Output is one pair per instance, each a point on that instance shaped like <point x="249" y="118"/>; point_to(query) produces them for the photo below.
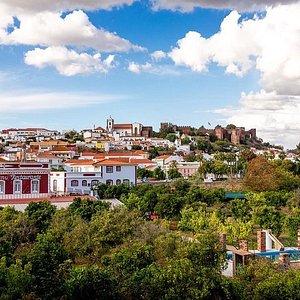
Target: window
<point x="84" y="183"/>
<point x="118" y="168"/>
<point x="109" y="182"/>
<point x="126" y="181"/>
<point x="34" y="186"/>
<point x="74" y="182"/>
<point x="94" y="182"/>
<point x="55" y="185"/>
<point x="2" y="187"/>
<point x="118" y="181"/>
<point x="109" y="169"/>
<point x="17" y="187"/>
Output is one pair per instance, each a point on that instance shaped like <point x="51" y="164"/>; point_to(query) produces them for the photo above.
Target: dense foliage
<point x="89" y="251"/>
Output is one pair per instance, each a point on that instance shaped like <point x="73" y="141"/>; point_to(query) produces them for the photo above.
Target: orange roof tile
<point x="139" y="152"/>
<point x="113" y="162"/>
<point x="142" y="161"/>
<point x="163" y="156"/>
<point x="60" y="148"/>
<point x="122" y="126"/>
<point x="46" y="155"/>
<point x="87" y="162"/>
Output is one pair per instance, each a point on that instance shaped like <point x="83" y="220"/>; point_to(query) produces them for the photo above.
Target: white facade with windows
<point x="79" y="178"/>
<point x="57" y="182"/>
<point x="114" y="174"/>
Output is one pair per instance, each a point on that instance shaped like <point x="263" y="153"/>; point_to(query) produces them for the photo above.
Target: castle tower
<point x="110" y="124"/>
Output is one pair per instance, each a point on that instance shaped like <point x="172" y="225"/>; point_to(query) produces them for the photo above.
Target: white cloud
<point x="275" y="116"/>
<point x="68" y="62"/>
<point x="75" y="29"/>
<point x="158" y="55"/>
<point x="138" y="68"/>
<point x="240" y="5"/>
<point x="191" y="52"/>
<point x="44" y="23"/>
<point x="62" y="5"/>
<point x="269" y="44"/>
<point x="28" y="101"/>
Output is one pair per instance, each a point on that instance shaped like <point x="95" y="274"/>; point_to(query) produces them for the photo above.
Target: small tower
<point x="110" y="124"/>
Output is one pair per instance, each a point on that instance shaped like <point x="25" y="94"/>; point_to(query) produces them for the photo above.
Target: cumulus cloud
<point x="269" y="44"/>
<point x="62" y="5"/>
<point x="53" y="24"/>
<point x="240" y="5"/>
<point x="138" y="68"/>
<point x="75" y="29"/>
<point x="276" y="116"/>
<point x="68" y="62"/>
<point x="158" y="55"/>
<point x="26" y="101"/>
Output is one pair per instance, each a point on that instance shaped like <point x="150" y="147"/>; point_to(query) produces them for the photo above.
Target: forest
<point x="90" y="251"/>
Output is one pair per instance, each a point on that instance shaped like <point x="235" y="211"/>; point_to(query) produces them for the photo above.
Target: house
<point x="121" y="130"/>
<point x="81" y="175"/>
<point x="187" y="169"/>
<point x="49" y="158"/>
<point x="24" y="180"/>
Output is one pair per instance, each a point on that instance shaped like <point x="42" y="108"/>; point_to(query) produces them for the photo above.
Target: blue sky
<point x="71" y="64"/>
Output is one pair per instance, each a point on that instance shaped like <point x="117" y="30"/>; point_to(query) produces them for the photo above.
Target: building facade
<point x="130" y="129"/>
<point x="24" y="180"/>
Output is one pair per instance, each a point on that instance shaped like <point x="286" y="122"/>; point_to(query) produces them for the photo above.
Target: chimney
<point x="261" y="241"/>
<point x="284" y="260"/>
<point x="243" y="245"/>
<point x="223" y="240"/>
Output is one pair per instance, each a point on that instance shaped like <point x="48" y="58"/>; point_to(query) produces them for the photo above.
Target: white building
<point x="22" y="134"/>
<point x="125" y="130"/>
<point x="82" y="174"/>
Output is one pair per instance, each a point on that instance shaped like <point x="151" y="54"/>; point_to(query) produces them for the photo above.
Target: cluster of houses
<point x="39" y="163"/>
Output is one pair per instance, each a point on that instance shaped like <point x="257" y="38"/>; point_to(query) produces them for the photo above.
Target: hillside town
<point x="125" y="199"/>
<point x="38" y="162"/>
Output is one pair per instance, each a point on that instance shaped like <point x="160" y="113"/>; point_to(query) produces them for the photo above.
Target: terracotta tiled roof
<point x="122" y="126"/>
<point x="46" y="155"/>
<point x="139" y="152"/>
<point x="60" y="148"/>
<point x="116" y="154"/>
<point x="163" y="156"/>
<point x="142" y="161"/>
<point x="88" y="154"/>
<point x="100" y="128"/>
<point x="113" y="162"/>
<point x="84" y="162"/>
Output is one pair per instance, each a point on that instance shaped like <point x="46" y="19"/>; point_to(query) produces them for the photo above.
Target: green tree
<point x="173" y="171"/>
<point x="268" y="217"/>
<point x="136" y="147"/>
<point x="185" y="141"/>
<point x="90" y="282"/>
<point x="219" y="168"/>
<point x="40" y="213"/>
<point x="144" y="173"/>
<point x="159" y="174"/>
<point x="171" y="137"/>
<point x="86" y="208"/>
<point x="168" y="206"/>
<point x="15" y="279"/>
<point x="46" y="256"/>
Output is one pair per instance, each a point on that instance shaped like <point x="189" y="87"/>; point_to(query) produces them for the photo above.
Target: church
<point x="130" y="130"/>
